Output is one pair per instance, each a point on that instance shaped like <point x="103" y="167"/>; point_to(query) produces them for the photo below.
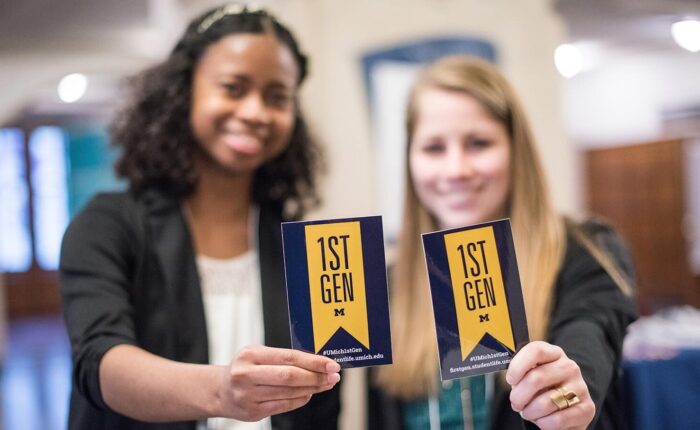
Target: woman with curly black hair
<point x="171" y="288"/>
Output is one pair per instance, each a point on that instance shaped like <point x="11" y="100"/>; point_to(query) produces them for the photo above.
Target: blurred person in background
<point x="171" y="288"/>
<point x="471" y="159"/>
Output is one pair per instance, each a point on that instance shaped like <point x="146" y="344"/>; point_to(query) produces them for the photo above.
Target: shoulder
<point x="108" y="218"/>
<point x="105" y="209"/>
<point x="598" y="288"/>
<point x="599" y="234"/>
<point x="603" y="234"/>
<point x="115" y="202"/>
<point x="589" y="283"/>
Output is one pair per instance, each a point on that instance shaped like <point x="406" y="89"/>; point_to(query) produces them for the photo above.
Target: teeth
<point x="243" y="135"/>
<point x="459" y="190"/>
<point x="257" y="133"/>
<point x="245" y="138"/>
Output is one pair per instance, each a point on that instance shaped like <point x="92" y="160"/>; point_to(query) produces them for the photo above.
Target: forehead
<point x="437" y="107"/>
<point x="258" y="56"/>
<point x="433" y="101"/>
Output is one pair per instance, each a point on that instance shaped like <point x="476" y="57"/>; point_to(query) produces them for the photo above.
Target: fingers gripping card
<point x="337" y="289"/>
<point x="477" y="298"/>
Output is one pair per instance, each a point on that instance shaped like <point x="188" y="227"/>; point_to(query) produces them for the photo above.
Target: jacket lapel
<point x="174" y="250"/>
<point x="274" y="293"/>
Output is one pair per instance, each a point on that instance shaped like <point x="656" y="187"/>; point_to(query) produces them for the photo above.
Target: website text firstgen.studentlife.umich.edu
<point x="495" y="360"/>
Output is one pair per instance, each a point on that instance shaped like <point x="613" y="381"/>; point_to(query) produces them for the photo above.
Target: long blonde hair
<point x="539" y="233"/>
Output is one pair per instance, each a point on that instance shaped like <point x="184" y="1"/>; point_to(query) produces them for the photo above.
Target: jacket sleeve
<point x="591" y="313"/>
<point x="95" y="272"/>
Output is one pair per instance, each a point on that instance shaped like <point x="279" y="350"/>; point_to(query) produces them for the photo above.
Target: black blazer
<point x="128" y="276"/>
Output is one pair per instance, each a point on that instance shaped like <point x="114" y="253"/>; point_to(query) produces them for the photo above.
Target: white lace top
<point x="234" y="315"/>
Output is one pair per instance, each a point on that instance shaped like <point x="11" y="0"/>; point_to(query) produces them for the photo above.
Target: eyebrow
<point x="280" y="85"/>
<point x="228" y="75"/>
<point x="247" y="78"/>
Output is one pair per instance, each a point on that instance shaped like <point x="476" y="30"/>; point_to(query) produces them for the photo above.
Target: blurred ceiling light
<point x="686" y="33"/>
<point x="568" y="60"/>
<point x="72" y="87"/>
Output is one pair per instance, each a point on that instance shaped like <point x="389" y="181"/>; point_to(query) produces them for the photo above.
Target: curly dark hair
<point x="154" y="131"/>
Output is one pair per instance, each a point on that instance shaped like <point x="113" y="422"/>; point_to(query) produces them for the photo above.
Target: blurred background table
<point x="664" y="394"/>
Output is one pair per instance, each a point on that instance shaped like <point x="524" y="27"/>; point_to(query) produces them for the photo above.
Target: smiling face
<point x="243" y="101"/>
<point x="459" y="159"/>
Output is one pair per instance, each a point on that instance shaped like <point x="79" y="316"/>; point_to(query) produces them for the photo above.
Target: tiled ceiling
<point x="87" y="24"/>
<point x="36" y="25"/>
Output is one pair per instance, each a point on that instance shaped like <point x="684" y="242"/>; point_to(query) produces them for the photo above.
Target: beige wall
<point x="337" y="33"/>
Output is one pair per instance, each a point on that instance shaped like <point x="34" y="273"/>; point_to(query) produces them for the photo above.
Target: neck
<point x="221" y="196"/>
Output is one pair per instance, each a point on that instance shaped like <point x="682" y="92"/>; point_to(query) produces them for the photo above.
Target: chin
<point x="236" y="167"/>
<point x="463" y="220"/>
<point x="457" y="223"/>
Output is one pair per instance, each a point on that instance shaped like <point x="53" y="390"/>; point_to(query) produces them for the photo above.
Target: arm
<point x="591" y="312"/>
<point x="588" y="322"/>
<point x="260" y="382"/>
<point x="111" y="371"/>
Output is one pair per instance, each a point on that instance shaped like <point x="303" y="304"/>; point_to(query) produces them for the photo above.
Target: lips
<point x="244" y="143"/>
<point x="465" y="203"/>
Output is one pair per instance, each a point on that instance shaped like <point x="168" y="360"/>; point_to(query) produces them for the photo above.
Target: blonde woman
<point x="472" y="158"/>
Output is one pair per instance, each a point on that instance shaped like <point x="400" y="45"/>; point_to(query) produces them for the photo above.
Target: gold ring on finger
<point x="564" y="398"/>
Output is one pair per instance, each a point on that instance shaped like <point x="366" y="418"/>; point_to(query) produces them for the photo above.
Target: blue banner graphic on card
<point x="477" y="298"/>
<point x="337" y="289"/>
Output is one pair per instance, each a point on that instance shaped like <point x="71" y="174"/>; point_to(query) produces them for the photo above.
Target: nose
<point x="458" y="164"/>
<point x="252" y="109"/>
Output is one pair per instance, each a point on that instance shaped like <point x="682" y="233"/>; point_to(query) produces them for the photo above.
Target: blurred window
<point x="47" y="174"/>
<point x="15" y="235"/>
<point x="47" y="155"/>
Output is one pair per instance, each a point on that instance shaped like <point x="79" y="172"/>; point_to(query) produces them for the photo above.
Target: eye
<point x="235" y="89"/>
<point x="478" y="143"/>
<point x="432" y="147"/>
<point x="279" y="99"/>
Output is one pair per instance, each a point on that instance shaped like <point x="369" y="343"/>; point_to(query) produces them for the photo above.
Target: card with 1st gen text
<point x="337" y="289"/>
<point x="477" y="298"/>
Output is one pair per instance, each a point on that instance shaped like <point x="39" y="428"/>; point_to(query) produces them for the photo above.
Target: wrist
<point x="213" y="398"/>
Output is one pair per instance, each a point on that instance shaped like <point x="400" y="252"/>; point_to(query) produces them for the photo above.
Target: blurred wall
<point x="336" y="34"/>
<point x="627" y="97"/>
